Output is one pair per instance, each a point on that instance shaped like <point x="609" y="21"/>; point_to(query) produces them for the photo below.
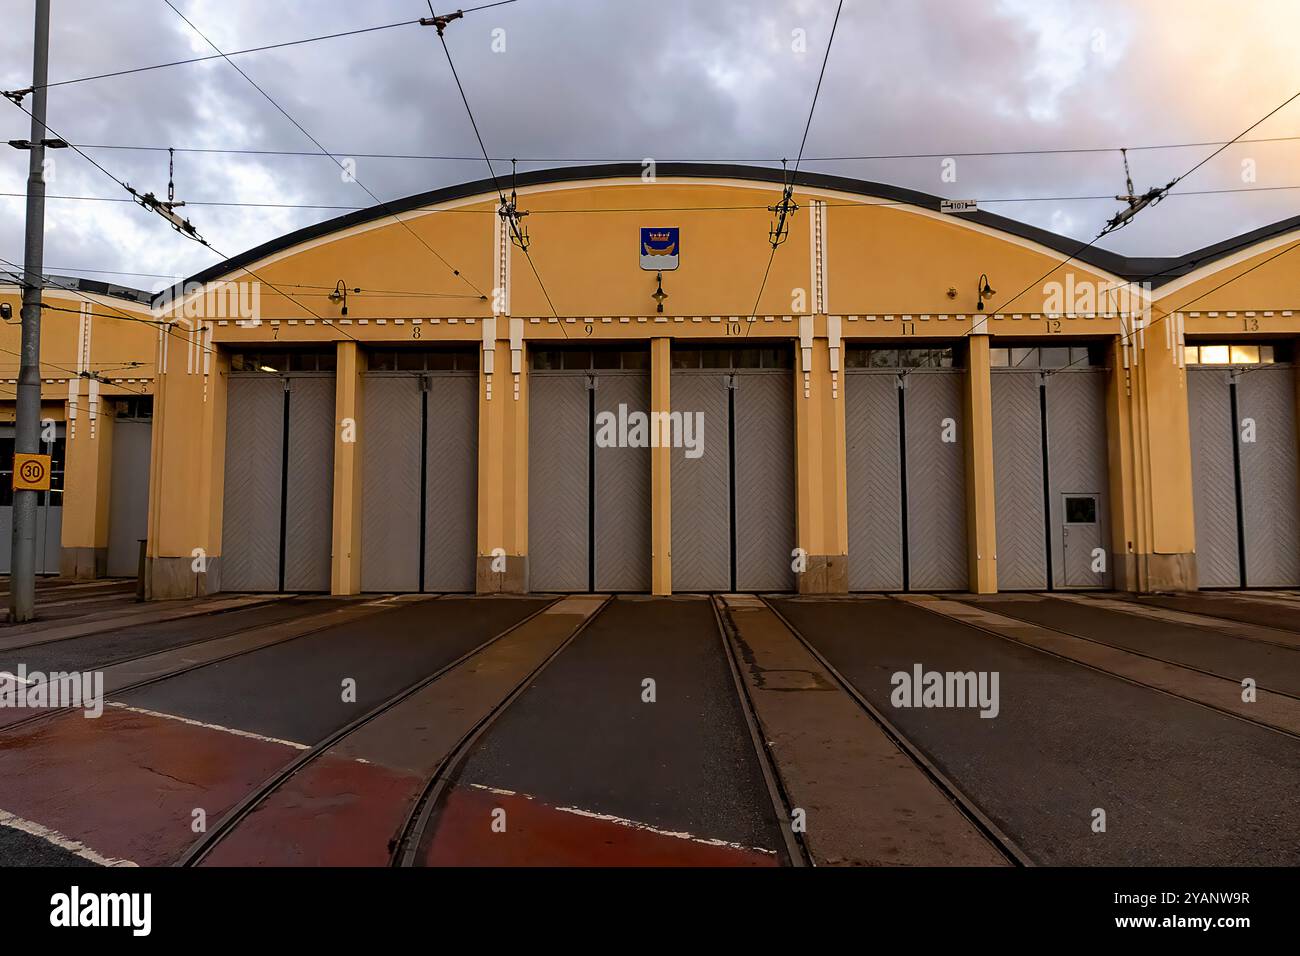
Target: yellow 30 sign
<point x="31" y="472"/>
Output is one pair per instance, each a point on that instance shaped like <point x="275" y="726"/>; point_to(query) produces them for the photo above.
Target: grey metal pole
<point x="22" y="582"/>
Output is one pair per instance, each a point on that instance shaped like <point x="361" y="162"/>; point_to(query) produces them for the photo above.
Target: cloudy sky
<point x="605" y="80"/>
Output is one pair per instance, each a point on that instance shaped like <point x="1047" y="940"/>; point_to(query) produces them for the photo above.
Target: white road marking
<point x="631" y="824"/>
<point x="198" y="723"/>
<point x="7" y="819"/>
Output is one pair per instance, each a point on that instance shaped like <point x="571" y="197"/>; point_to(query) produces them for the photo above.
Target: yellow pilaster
<point x="981" y="514"/>
<point x="821" y="508"/>
<point x="87" y="470"/>
<point x="186" y="475"/>
<point x="502" y="564"/>
<point x="349" y="432"/>
<point x="661" y="507"/>
<point x="1153" y="463"/>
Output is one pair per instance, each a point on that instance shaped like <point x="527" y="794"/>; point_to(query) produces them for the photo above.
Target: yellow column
<point x="345" y="554"/>
<point x="821" y="507"/>
<point x="502" y="565"/>
<point x="981" y="514"/>
<point x="87" y="471"/>
<point x="661" y="502"/>
<point x="1127" y="535"/>
<point x="1152" y="463"/>
<point x="186" y="474"/>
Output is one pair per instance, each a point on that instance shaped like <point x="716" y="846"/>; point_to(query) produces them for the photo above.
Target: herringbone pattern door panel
<point x="390" y="483"/>
<point x="765" y="490"/>
<point x="559" y="430"/>
<point x="622" y="490"/>
<point x="1018" y="481"/>
<point x="701" y="523"/>
<point x="250" y="526"/>
<point x="936" y="480"/>
<point x="873" y="480"/>
<point x="451" y="495"/>
<point x="1213" y="477"/>
<point x="309" y="499"/>
<point x="1270" y="484"/>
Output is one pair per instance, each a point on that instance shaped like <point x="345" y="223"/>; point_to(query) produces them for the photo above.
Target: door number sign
<point x="31" y="472"/>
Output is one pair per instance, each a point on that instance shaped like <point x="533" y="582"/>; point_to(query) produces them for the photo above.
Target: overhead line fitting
<point x="511" y="215"/>
<point x="441" y="22"/>
<point x="783" y="210"/>
<point x="167" y="207"/>
<point x="1135" y="202"/>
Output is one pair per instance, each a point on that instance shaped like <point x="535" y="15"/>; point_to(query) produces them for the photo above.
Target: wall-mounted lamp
<point x="6" y="311"/>
<point x="340" y="294"/>
<point x="659" y="294"/>
<point x="986" y="291"/>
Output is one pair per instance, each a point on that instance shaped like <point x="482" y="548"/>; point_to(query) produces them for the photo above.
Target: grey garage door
<point x="701" y="486"/>
<point x="128" y="510"/>
<point x="278" y="501"/>
<point x="733" y="505"/>
<point x="419" y="481"/>
<point x="1056" y="471"/>
<point x="621" y="534"/>
<point x="936" y="480"/>
<point x="589" y="479"/>
<point x="559" y="445"/>
<point x="905" y="470"/>
<point x="873" y="458"/>
<point x="1244" y="467"/>
<point x="1018" y="480"/>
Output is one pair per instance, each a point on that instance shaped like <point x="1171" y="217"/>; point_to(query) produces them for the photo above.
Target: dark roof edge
<point x="58" y="283"/>
<point x="1157" y="270"/>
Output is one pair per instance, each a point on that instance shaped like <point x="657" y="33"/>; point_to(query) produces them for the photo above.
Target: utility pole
<point x="22" y="580"/>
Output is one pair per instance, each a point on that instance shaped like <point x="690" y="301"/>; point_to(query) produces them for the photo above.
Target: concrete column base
<point x="1149" y="573"/>
<point x="168" y="579"/>
<point x="826" y="574"/>
<point x="83" y="564"/>
<point x="513" y="580"/>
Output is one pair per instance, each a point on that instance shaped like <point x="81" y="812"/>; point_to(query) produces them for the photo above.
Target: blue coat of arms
<point x="660" y="249"/>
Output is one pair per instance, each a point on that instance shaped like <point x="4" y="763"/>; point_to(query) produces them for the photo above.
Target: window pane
<point x="715" y="358"/>
<point x="884" y="358"/>
<point x="1266" y="355"/>
<point x="1191" y="355"/>
<point x="578" y="359"/>
<point x="685" y="358"/>
<point x="1024" y="358"/>
<point x="638" y="359"/>
<point x="1053" y="357"/>
<point x="747" y="358"/>
<point x="999" y="358"/>
<point x="440" y="361"/>
<point x="1214" y="355"/>
<point x="546" y="359"/>
<point x="1245" y="354"/>
<point x="605" y="358"/>
<point x="1081" y="510"/>
<point x="857" y="358"/>
<point x="776" y="358"/>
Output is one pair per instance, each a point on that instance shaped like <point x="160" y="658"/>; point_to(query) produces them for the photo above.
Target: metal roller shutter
<point x="1077" y="465"/>
<point x="559" y="436"/>
<point x="1214" y="485"/>
<point x="390" y="482"/>
<point x="1270" y="485"/>
<point x="309" y="490"/>
<point x="622" y="513"/>
<point x="451" y="485"/>
<point x="1018" y="480"/>
<point x="764" y="476"/>
<point x="250" y="530"/>
<point x="874" y="484"/>
<point x="701" y="487"/>
<point x="936" y="480"/>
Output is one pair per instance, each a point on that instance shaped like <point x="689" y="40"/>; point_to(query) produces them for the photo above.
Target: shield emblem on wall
<point x="660" y="249"/>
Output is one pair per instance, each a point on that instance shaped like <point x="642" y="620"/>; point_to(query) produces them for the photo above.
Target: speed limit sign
<point x="31" y="472"/>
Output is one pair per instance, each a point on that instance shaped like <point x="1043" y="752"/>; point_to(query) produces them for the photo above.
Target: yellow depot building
<point x="98" y="343"/>
<point x="918" y="399"/>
